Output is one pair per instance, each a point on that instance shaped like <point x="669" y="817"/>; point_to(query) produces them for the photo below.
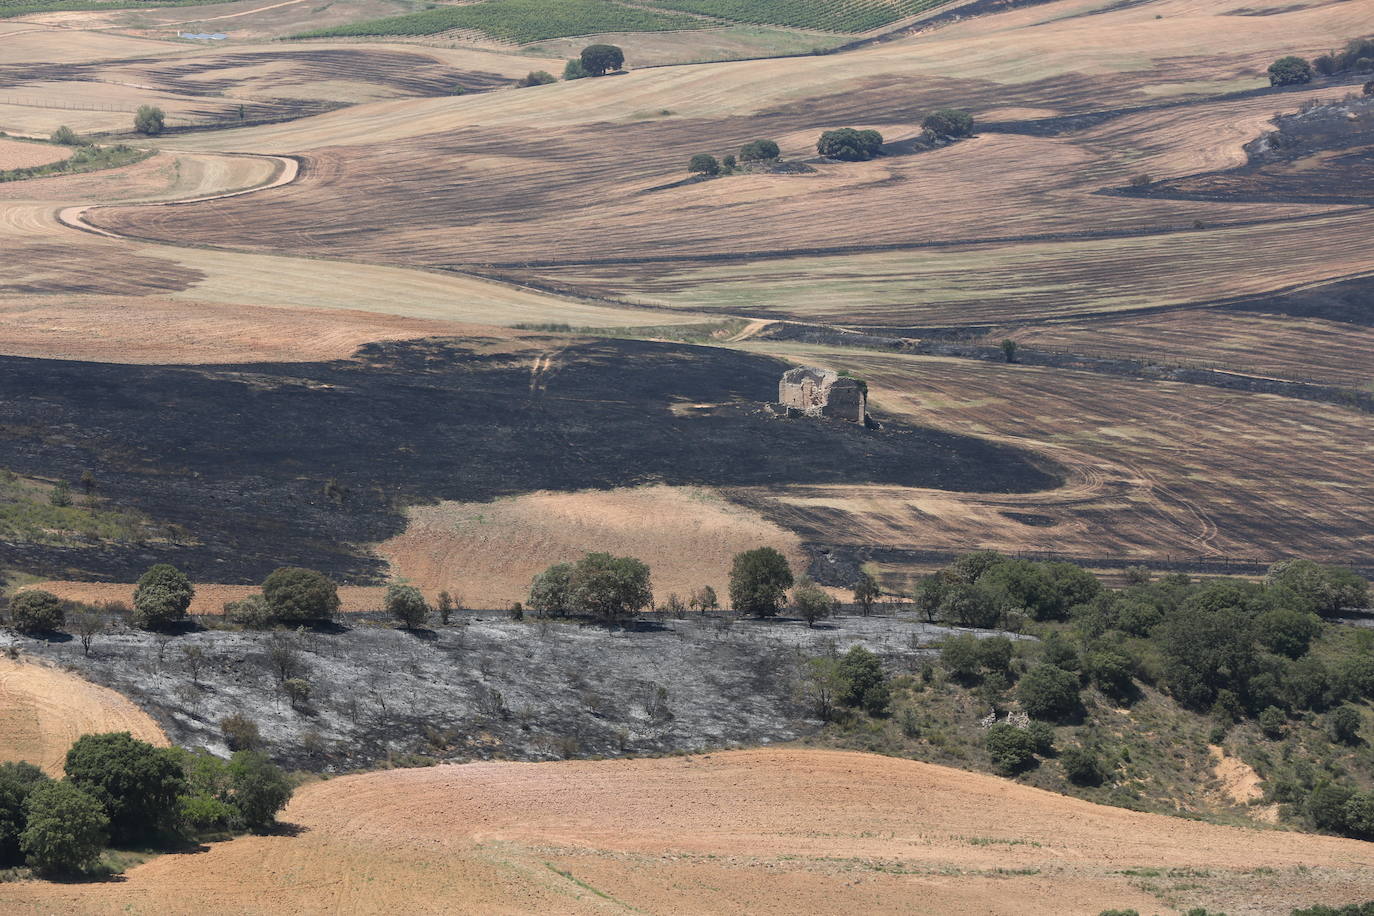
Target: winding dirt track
<point x="288" y="170"/>
<point x="43" y="710"/>
<point x="765" y="832"/>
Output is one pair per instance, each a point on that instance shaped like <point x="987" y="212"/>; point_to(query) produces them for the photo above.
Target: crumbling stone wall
<point x="818" y="392"/>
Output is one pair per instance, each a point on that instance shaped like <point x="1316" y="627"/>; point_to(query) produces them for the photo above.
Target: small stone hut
<point x="821" y="393"/>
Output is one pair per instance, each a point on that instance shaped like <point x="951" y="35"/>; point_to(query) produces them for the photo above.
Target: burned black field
<point x="237" y="461"/>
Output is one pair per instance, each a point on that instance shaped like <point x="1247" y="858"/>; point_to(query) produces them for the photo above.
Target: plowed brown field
<point x="769" y="831"/>
<point x="43" y="710"/>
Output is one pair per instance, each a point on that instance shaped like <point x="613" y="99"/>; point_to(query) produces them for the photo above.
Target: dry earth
<point x="15" y="154"/>
<point x="769" y="831"/>
<point x="487" y="553"/>
<point x="43" y="710"/>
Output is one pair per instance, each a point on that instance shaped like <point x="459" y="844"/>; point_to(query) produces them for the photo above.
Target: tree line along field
<point x="524" y="21"/>
<point x="12" y="8"/>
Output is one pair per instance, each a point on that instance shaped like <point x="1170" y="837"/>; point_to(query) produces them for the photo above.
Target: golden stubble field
<point x="43" y="710"/>
<point x="767" y="831"/>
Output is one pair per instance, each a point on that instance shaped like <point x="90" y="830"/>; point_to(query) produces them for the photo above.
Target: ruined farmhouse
<point x="815" y="392"/>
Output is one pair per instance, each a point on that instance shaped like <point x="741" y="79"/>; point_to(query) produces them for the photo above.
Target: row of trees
<point x="1357" y="56"/>
<point x="845" y="143"/>
<point x="122" y="791"/>
<point x="611" y="589"/>
<point x="753" y="151"/>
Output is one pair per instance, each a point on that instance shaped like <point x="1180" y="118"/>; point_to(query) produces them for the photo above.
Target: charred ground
<point x="236" y="459"/>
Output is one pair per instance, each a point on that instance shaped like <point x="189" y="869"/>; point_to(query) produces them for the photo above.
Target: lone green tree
<point x="759" y="580"/>
<point x="1009" y="350"/>
<point x="863" y="683"/>
<point x="598" y="60"/>
<point x="948" y="124"/>
<point x="407" y="605"/>
<point x="1290" y="71"/>
<point x="66" y="829"/>
<point x="297" y="595"/>
<point x="1048" y="692"/>
<point x="162" y="597"/>
<point x="811" y="602"/>
<point x="866" y="591"/>
<point x="36" y="611"/>
<point x="849" y="145"/>
<point x="150" y="120"/>
<point x="610" y="588"/>
<point x="704" y="164"/>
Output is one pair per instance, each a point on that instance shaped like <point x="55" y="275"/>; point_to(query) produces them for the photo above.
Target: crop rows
<point x="843" y="16"/>
<point x="521" y="21"/>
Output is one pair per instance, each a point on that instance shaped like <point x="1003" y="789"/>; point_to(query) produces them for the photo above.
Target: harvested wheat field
<point x="487" y="553"/>
<point x="767" y="831"/>
<point x="15" y="154"/>
<point x="43" y="710"/>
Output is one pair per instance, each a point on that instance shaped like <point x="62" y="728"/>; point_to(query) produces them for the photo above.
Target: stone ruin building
<point x="814" y="392"/>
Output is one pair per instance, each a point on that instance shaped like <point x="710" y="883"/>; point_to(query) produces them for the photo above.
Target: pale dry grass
<point x="15" y="154"/>
<point x="43" y="710"/>
<point x="487" y="553"/>
<point x="768" y="831"/>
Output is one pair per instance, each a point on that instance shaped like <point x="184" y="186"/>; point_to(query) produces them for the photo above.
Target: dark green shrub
<point x="536" y="78"/>
<point x="849" y="145"/>
<point x="949" y="123"/>
<point x="149" y="120"/>
<point x="1112" y="671"/>
<point x="1343" y="723"/>
<point x="259" y="789"/>
<point x="1273" y="722"/>
<point x="251" y="612"/>
<point x="811" y="601"/>
<point x="759" y="580"/>
<point x="137" y="783"/>
<point x="600" y="59"/>
<point x="758" y="151"/>
<point x="1048" y="692"/>
<point x="162" y="597"/>
<point x="407" y="605"/>
<point x="66" y="829"/>
<point x="970" y="606"/>
<point x="1359" y="815"/>
<point x="863" y="685"/>
<point x="1011" y="748"/>
<point x="1326" y="805"/>
<point x="995" y="652"/>
<point x="65" y="136"/>
<point x="1289" y="71"/>
<point x="36" y="611"/>
<point x="1285" y="631"/>
<point x="703" y="164"/>
<point x="1042" y="737"/>
<point x="962" y="657"/>
<point x="574" y="70"/>
<point x="296" y="595"/>
<point x="17" y="782"/>
<point x="1083" y="767"/>
<point x="1206" y="650"/>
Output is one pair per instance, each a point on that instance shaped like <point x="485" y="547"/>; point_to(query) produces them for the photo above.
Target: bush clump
<point x="849" y="145"/>
<point x="162" y="597"/>
<point x="759" y="580"/>
<point x="1290" y="71"/>
<point x="150" y="120"/>
<point x="759" y="151"/>
<point x="1012" y="749"/>
<point x="37" y="611"/>
<point x="948" y="124"/>
<point x="66" y="829"/>
<point x="1049" y="692"/>
<point x="297" y="595"/>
